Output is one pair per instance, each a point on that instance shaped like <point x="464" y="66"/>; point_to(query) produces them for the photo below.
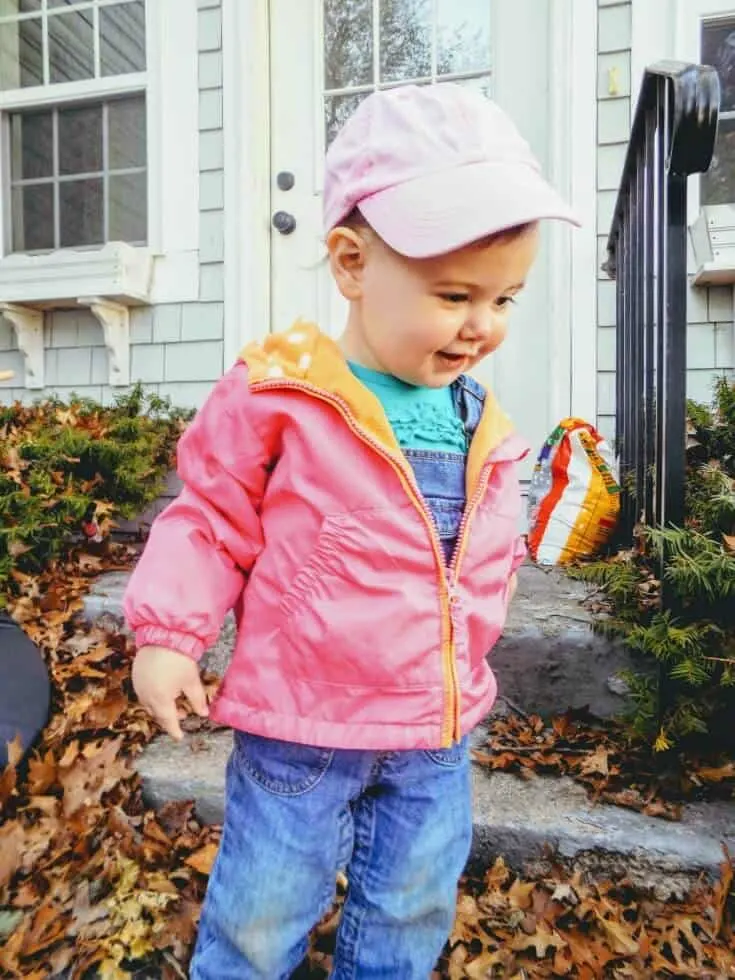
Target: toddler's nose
<point x="479" y="326"/>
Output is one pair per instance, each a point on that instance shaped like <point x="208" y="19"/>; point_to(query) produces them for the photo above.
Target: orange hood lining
<point x="307" y="356"/>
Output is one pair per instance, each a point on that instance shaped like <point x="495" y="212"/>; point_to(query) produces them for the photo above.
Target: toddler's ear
<point x="347" y="252"/>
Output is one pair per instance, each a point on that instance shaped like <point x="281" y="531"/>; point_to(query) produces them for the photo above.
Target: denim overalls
<point x="441" y="475"/>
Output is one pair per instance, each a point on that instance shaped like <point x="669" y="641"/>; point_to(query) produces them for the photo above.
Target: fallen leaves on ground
<point x="603" y="758"/>
<point x="93" y="884"/>
<point x="562" y="926"/>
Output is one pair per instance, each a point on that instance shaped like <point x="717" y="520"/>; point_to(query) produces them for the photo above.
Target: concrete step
<point x="528" y="822"/>
<point x="547" y="660"/>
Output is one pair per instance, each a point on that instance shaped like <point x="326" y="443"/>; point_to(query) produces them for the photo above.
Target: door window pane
<point x="463" y="36"/>
<point x="81" y="213"/>
<point x="419" y="41"/>
<point x="348" y="43"/>
<point x="405" y="40"/>
<point x="122" y="38"/>
<point x="71" y="46"/>
<point x="337" y="110"/>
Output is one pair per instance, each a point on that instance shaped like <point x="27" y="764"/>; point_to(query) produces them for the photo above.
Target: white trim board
<point x="247" y="197"/>
<point x="573" y="279"/>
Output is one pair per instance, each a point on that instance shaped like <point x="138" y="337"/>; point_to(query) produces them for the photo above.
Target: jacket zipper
<point x="448" y="577"/>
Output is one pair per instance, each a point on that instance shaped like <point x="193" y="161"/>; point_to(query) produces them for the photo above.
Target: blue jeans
<point x="399" y="823"/>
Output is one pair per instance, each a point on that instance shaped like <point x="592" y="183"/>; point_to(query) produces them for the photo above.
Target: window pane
<point x="122" y="38"/>
<point x="31" y="145"/>
<point x="21" y="54"/>
<point x="463" y="36"/>
<point x="348" y="43"/>
<point x="63" y="3"/>
<point x="405" y="39"/>
<point x="80" y="212"/>
<point x="10" y="8"/>
<point x="80" y="140"/>
<point x="718" y="50"/>
<point x="71" y="46"/>
<point x="127" y="135"/>
<point x="33" y="218"/>
<point x="128" y="215"/>
<point x="337" y="110"/>
<point x="718" y="184"/>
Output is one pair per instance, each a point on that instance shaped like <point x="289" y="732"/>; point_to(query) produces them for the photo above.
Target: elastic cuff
<point x="159" y="636"/>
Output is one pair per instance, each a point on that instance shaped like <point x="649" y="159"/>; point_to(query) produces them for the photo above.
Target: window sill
<point x="108" y="281"/>
<point x="713" y="242"/>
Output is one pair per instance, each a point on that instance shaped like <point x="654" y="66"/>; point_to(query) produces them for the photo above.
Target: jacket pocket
<point x="347" y="552"/>
<point x="282" y="768"/>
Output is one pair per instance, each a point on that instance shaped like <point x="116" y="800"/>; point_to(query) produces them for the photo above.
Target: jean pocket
<point x="450" y="758"/>
<point x="282" y="768"/>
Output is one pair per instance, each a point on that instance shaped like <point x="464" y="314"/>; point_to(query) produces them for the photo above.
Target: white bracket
<point x="115" y="321"/>
<point x="28" y="325"/>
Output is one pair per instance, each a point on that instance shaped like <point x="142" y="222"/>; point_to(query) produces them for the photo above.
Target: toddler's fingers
<point x="197" y="697"/>
<point x="167" y="718"/>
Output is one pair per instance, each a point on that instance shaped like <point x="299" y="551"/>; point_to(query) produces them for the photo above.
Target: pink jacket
<point x="352" y="631"/>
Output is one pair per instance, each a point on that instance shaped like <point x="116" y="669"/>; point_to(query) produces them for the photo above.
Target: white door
<point x="327" y="55"/>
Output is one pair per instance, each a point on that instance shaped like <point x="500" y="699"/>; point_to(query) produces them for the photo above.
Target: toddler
<point x="357" y="503"/>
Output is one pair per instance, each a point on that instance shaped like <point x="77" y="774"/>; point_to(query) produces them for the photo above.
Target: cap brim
<point x="444" y="211"/>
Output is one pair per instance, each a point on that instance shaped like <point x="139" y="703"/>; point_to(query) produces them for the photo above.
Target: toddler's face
<point x="428" y="320"/>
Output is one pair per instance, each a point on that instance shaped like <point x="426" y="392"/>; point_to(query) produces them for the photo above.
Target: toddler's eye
<point x="504" y="300"/>
<point x="456" y="297"/>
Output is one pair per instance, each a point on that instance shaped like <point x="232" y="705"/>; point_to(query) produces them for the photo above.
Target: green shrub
<point x="692" y="640"/>
<point x="60" y="463"/>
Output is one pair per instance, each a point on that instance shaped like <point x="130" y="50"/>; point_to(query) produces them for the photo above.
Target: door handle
<point x="284" y="222"/>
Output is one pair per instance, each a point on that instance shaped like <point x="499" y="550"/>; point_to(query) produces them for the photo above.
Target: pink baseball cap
<point x="433" y="168"/>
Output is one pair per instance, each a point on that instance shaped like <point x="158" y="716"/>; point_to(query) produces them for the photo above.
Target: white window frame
<point x="171" y="87"/>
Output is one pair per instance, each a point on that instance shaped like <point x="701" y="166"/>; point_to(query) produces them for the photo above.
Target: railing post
<point x="672" y="137"/>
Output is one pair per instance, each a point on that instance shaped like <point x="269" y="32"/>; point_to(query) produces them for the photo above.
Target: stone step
<point x="528" y="822"/>
<point x="547" y="660"/>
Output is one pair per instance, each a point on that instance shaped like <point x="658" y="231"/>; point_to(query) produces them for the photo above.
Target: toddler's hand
<point x="160" y="675"/>
<point x="512" y="586"/>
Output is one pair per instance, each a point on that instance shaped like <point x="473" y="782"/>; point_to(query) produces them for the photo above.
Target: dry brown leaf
<point x="203" y="859"/>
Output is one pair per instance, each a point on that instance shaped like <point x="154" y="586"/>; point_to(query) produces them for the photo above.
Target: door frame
<point x="247" y="176"/>
<point x="573" y="258"/>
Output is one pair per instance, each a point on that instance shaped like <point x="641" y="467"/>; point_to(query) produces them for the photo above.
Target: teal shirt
<point x="421" y="418"/>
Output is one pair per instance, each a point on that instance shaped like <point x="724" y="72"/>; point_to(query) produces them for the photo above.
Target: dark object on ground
<point x="24" y="688"/>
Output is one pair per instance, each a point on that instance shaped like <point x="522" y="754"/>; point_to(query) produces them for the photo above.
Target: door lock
<point x="284" y="222"/>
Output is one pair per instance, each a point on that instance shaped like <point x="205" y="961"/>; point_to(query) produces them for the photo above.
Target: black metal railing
<point x="672" y="137"/>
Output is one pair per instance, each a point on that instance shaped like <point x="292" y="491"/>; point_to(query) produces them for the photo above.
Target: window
<point x="718" y="50"/>
<point x="371" y="44"/>
<point x="73" y="89"/>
